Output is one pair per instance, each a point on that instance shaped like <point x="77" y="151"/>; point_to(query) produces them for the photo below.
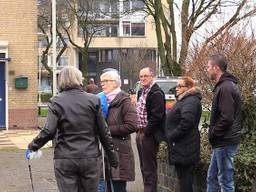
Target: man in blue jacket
<point x="225" y="126"/>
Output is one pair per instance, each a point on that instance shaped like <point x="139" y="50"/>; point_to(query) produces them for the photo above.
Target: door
<point x="2" y="94"/>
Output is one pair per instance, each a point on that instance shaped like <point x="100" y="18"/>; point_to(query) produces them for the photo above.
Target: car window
<point x="167" y="86"/>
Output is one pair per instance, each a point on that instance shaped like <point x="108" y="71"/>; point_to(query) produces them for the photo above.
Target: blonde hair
<point x="70" y="77"/>
<point x="188" y="81"/>
<point x="112" y="75"/>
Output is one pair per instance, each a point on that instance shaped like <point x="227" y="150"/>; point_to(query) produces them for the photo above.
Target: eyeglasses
<point x="180" y="86"/>
<point x="144" y="76"/>
<point x="106" y="81"/>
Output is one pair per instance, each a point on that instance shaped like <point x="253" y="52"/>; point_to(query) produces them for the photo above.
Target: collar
<point x="111" y="96"/>
<point x="190" y="91"/>
<point x="147" y="89"/>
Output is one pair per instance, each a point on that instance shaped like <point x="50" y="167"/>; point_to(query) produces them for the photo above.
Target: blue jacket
<point x="104" y="103"/>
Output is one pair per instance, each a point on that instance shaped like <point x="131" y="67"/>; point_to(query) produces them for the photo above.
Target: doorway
<point x="2" y="95"/>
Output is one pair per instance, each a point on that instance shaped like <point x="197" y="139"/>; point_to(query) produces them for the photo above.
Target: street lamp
<point x="54" y="75"/>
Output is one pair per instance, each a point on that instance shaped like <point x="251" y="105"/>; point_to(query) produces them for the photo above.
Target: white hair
<point x="112" y="75"/>
<point x="70" y="77"/>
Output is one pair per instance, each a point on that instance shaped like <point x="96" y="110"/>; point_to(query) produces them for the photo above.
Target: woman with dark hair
<point x="182" y="131"/>
<point x="75" y="117"/>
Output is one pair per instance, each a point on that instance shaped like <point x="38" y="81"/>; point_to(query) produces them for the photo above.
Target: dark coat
<point x="225" y="125"/>
<point x="76" y="119"/>
<point x="122" y="121"/>
<point x="182" y="128"/>
<point x="155" y="106"/>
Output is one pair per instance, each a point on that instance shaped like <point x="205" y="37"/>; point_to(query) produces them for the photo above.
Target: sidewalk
<point x="14" y="167"/>
<point x="18" y="138"/>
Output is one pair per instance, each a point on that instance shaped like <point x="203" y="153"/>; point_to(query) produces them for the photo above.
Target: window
<point x="133" y="29"/>
<point x="42" y="43"/>
<point x="2" y="55"/>
<point x="93" y="60"/>
<point x="100" y="30"/>
<point x="108" y="55"/>
<point x="129" y="5"/>
<point x="106" y="30"/>
<point x="49" y="63"/>
<point x="63" y="61"/>
<point x="112" y="30"/>
<point x="138" y="4"/>
<point x="138" y="29"/>
<point x="126" y="28"/>
<point x="126" y="6"/>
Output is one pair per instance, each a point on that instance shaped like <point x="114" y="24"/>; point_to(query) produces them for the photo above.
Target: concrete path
<point x="18" y="138"/>
<point x="14" y="167"/>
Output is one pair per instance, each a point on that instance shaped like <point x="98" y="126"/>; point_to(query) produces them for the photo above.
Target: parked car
<point x="168" y="85"/>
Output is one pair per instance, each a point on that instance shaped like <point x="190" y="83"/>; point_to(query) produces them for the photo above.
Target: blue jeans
<point x="221" y="169"/>
<point x="102" y="185"/>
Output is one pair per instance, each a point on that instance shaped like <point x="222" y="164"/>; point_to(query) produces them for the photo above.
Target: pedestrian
<point x="76" y="118"/>
<point x="225" y="125"/>
<point x="182" y="131"/>
<point x="132" y="95"/>
<point x="151" y="117"/>
<point x="92" y="87"/>
<point x="122" y="122"/>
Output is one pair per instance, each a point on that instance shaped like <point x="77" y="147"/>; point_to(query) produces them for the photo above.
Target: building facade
<point x="125" y="42"/>
<point x="18" y="64"/>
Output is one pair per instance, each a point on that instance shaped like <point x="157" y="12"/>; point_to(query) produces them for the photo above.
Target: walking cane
<point x="108" y="177"/>
<point x="30" y="174"/>
<point x="106" y="172"/>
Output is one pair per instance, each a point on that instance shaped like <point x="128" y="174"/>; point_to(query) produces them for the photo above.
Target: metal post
<point x="54" y="77"/>
<point x="39" y="78"/>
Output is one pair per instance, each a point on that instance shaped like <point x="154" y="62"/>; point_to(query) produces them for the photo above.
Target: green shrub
<point x="45" y="97"/>
<point x="245" y="161"/>
<point x="249" y="119"/>
<point x="43" y="111"/>
<point x="245" y="164"/>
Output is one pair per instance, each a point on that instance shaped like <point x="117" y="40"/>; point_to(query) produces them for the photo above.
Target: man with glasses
<point x="151" y="118"/>
<point x="225" y="126"/>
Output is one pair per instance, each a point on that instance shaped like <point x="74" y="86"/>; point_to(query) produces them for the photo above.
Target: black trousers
<point x="185" y="176"/>
<point x="77" y="175"/>
<point x="147" y="149"/>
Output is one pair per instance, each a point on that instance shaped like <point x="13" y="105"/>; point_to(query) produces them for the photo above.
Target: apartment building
<point x="126" y="43"/>
<point x="18" y="64"/>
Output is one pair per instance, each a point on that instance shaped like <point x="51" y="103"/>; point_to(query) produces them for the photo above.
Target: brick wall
<point x="21" y="118"/>
<point x="19" y="27"/>
<point x="168" y="182"/>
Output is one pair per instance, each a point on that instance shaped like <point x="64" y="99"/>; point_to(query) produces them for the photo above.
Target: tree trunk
<point x="161" y="49"/>
<point x="85" y="56"/>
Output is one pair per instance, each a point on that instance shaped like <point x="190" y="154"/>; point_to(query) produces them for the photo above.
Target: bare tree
<point x="86" y="18"/>
<point x="133" y="60"/>
<point x="241" y="53"/>
<point x="45" y="27"/>
<point x="189" y="16"/>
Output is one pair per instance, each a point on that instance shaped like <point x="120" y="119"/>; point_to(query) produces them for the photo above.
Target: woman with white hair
<point x="75" y="117"/>
<point x="122" y="121"/>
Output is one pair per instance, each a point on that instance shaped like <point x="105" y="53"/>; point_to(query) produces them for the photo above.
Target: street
<point x="15" y="173"/>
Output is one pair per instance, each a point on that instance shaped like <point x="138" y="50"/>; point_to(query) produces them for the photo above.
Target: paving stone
<point x="14" y="167"/>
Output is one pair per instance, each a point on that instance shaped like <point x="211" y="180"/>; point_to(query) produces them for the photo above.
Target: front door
<point x="2" y="95"/>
